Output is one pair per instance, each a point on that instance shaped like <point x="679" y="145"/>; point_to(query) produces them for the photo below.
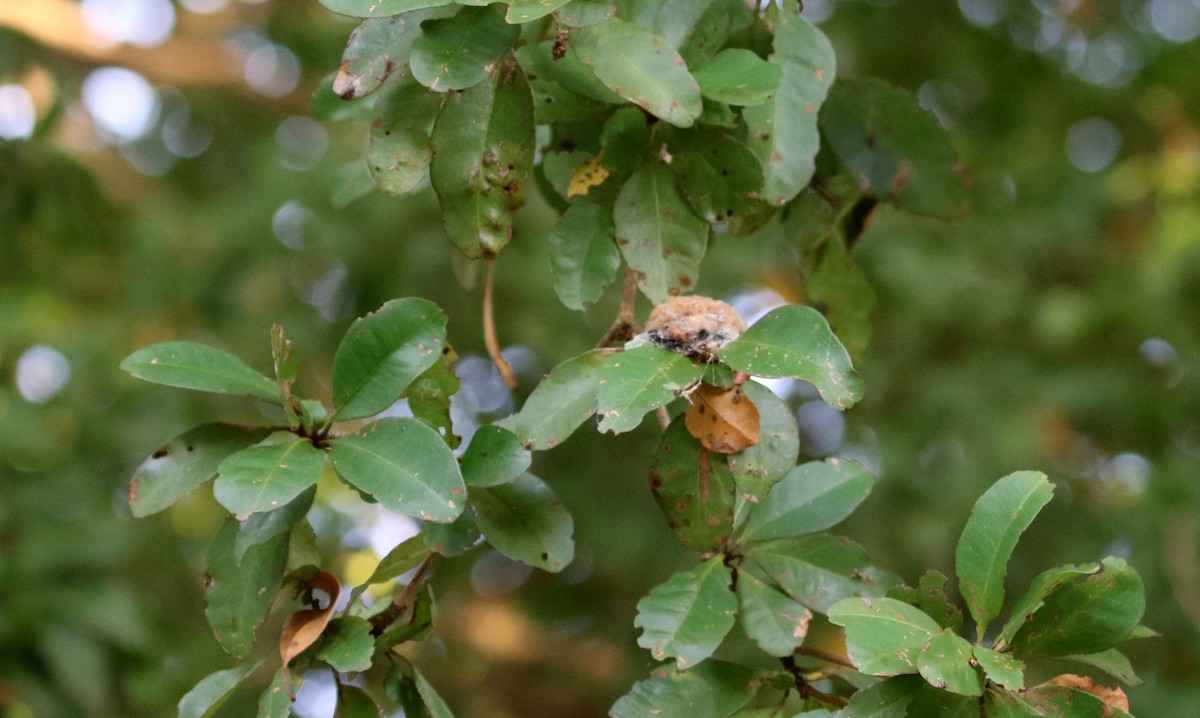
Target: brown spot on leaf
<point x="160" y="453"/>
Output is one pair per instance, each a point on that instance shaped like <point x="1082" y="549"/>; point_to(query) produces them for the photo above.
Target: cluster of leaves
<point x="654" y="127"/>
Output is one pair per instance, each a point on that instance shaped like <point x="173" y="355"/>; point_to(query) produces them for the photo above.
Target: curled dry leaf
<point x="1112" y="697"/>
<point x="303" y="628"/>
<point x="724" y="420"/>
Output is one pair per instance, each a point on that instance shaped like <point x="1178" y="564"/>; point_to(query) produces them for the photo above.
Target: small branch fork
<point x="803" y="687"/>
<point x="623" y="327"/>
<point x="404" y="602"/>
<point x="489" y="328"/>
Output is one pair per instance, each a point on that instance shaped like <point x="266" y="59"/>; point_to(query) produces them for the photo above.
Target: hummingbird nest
<point x="694" y="326"/>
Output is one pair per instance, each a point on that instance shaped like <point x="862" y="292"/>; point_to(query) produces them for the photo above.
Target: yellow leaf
<point x="724" y="420"/>
<point x="588" y="174"/>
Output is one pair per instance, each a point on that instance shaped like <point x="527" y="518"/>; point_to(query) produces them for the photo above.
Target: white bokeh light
<point x="301" y="141"/>
<point x="145" y="23"/>
<point x="121" y="102"/>
<point x="17" y="113"/>
<point x="1092" y="144"/>
<point x="42" y="372"/>
<point x="272" y="70"/>
<point x="204" y="7"/>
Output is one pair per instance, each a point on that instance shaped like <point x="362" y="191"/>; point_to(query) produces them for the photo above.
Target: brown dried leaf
<point x="303" y="628"/>
<point x="1112" y="697"/>
<point x="724" y="420"/>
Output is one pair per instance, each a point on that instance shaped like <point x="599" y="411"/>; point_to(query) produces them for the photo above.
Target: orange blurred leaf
<point x="303" y="628"/>
<point x="724" y="420"/>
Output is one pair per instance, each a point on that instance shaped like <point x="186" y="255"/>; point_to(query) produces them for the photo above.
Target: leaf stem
<point x="825" y="656"/>
<point x="489" y="328"/>
<point x="623" y="327"/>
<point x="401" y="604"/>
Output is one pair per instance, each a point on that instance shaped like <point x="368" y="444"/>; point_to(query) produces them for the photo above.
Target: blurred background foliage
<point x="162" y="176"/>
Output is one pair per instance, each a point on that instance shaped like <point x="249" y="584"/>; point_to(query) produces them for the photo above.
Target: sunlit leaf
<point x="458" y="52"/>
<point x="712" y="689"/>
<point x="495" y="456"/>
<point x="405" y="465"/>
<point x="946" y="662"/>
<point x="268" y="476"/>
<point x="190" y="365"/>
<point x="483" y="146"/>
<point x="894" y="148"/>
<point x="640" y="67"/>
<point x="694" y="489"/>
<point x="524" y="520"/>
<point x="686" y="617"/>
<point x="738" y="77"/>
<point x="638" y="381"/>
<point x="584" y="255"/>
<point x="238" y="593"/>
<point x="724" y="420"/>
<point x="1087" y="616"/>
<point x="560" y="404"/>
<point x="812" y="497"/>
<point x="783" y="131"/>
<point x="795" y="341"/>
<point x="884" y="636"/>
<point x="588" y="174"/>
<point x="185" y="462"/>
<point x="212" y="691"/>
<point x="659" y="236"/>
<point x="997" y="521"/>
<point x="383" y="352"/>
<point x="773" y="620"/>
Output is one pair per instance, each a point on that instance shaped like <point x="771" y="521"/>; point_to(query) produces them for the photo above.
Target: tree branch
<point x="489" y="328"/>
<point x="623" y="327"/>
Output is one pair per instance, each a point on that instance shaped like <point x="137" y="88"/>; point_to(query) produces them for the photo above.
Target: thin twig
<point x="825" y="656"/>
<point x="401" y="604"/>
<point x="664" y="419"/>
<point x="623" y="327"/>
<point x="489" y="328"/>
<point x="806" y="690"/>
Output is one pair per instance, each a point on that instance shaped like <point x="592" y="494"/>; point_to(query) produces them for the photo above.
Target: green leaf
<point x="757" y="468"/>
<point x="347" y="644"/>
<point x="238" y="593"/>
<point x="405" y="465"/>
<point x="886" y="699"/>
<point x="398" y="148"/>
<point x="458" y="52"/>
<point x="640" y="67"/>
<point x="719" y="175"/>
<point x="816" y="570"/>
<point x="1004" y="704"/>
<point x="694" y="489"/>
<point x="374" y="50"/>
<point x="429" y="396"/>
<point x="638" y="381"/>
<point x="409" y="688"/>
<point x="772" y="619"/>
<point x="581" y="13"/>
<point x="260" y="528"/>
<point x="713" y="689"/>
<point x="190" y="365"/>
<point x="403" y="557"/>
<point x="795" y="341"/>
<point x="525" y="521"/>
<point x="1063" y="702"/>
<point x="626" y="139"/>
<point x="495" y="456"/>
<point x="883" y="636"/>
<point x="930" y="597"/>
<point x="997" y="521"/>
<point x="568" y="72"/>
<point x="553" y="103"/>
<point x="560" y="404"/>
<point x="483" y="145"/>
<point x="355" y="703"/>
<point x="416" y="627"/>
<point x="454" y="538"/>
<point x="526" y="10"/>
<point x="812" y="497"/>
<point x="709" y="32"/>
<point x="783" y="131"/>
<point x="659" y="236"/>
<point x="1088" y="616"/>
<point x="268" y="476"/>
<point x="894" y="148"/>
<point x="212" y="690"/>
<point x="383" y="352"/>
<point x="738" y="77"/>
<point x="185" y="462"/>
<point x="1001" y="668"/>
<point x="1044" y="584"/>
<point x="274" y="701"/>
<point x="686" y="617"/>
<point x="946" y="663"/>
<point x="433" y="702"/>
<point x="386" y="8"/>
<point x="584" y="256"/>
<point x="930" y="701"/>
<point x="1112" y="662"/>
<point x="353" y="180"/>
